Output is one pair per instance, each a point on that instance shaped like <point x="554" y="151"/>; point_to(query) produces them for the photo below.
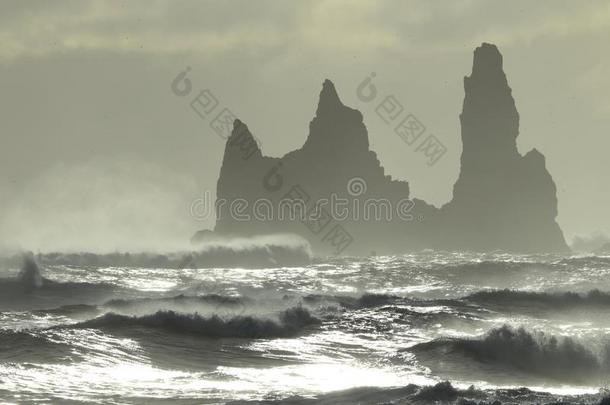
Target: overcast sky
<point x="98" y="153"/>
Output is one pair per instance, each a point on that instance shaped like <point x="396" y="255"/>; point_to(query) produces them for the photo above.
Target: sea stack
<point x="501" y="201"/>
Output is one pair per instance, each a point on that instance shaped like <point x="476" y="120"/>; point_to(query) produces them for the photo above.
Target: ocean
<point x="430" y="327"/>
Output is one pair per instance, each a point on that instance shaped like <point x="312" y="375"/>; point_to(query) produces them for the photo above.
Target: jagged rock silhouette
<point x="501" y="201"/>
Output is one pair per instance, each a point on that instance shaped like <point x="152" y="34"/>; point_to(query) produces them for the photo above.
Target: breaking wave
<point x="530" y="353"/>
<point x="255" y="252"/>
<point x="215" y="256"/>
<point x="441" y="393"/>
<point x="30" y="282"/>
<point x="178" y="302"/>
<point x="288" y="323"/>
<point x="29" y="290"/>
<point x="555" y="301"/>
<point x="30" y="276"/>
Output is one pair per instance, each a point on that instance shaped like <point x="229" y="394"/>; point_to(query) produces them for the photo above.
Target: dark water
<point x="519" y="329"/>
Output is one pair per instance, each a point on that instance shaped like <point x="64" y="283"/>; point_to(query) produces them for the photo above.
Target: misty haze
<point x="307" y="202"/>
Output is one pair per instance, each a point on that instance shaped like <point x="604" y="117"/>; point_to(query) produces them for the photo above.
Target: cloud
<point x="151" y="26"/>
<point x="157" y="26"/>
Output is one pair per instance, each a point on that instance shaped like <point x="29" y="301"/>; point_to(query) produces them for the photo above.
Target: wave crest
<point x="531" y="353"/>
<point x="289" y="323"/>
<point x="30" y="276"/>
<point x="551" y="301"/>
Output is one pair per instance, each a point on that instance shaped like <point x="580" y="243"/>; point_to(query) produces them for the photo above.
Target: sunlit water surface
<point x="334" y="325"/>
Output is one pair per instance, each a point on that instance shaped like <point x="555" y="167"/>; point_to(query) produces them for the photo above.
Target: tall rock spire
<point x="489" y="119"/>
<point x="501" y="200"/>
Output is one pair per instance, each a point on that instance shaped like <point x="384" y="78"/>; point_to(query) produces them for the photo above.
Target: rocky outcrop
<point x="333" y="174"/>
<point x="501" y="200"/>
<point x="334" y="192"/>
